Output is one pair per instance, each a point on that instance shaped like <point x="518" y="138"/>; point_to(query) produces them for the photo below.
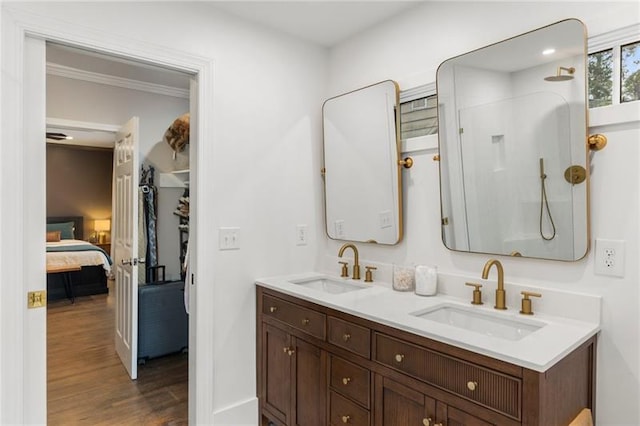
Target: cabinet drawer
<point x="304" y="319"/>
<point x="486" y="387"/>
<point x="351" y="380"/>
<point x="345" y="412"/>
<point x="352" y="337"/>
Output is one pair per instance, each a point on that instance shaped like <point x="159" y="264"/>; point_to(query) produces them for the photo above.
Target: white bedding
<point x="82" y="258"/>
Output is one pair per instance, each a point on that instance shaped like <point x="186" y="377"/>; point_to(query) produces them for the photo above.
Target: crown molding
<point x="617" y="37"/>
<point x="110" y="80"/>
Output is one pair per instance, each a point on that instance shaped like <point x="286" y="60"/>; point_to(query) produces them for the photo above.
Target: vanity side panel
<point x="557" y="396"/>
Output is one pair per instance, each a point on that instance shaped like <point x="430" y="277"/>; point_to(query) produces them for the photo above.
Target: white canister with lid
<point x="426" y="280"/>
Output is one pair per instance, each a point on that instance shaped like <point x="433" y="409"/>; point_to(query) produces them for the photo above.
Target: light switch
<point x="229" y="238"/>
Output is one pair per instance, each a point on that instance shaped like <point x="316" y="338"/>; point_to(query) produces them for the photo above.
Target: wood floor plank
<point x="87" y="384"/>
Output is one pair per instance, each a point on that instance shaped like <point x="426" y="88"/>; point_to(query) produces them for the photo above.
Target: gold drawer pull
<point x="285" y="349"/>
<point x="346" y="380"/>
<point x="272" y="309"/>
<point x="305" y="321"/>
<point x="472" y="386"/>
<point x="346" y="337"/>
<point x="399" y="357"/>
<point x="427" y="421"/>
<point x="346" y="419"/>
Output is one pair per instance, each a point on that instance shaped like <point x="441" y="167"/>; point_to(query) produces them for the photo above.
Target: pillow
<point x="66" y="229"/>
<point x="53" y="236"/>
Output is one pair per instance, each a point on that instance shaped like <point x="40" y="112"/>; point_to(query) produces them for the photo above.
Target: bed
<point x="71" y="253"/>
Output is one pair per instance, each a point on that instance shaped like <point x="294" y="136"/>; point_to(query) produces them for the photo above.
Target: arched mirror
<point x="512" y="138"/>
<point x="361" y="170"/>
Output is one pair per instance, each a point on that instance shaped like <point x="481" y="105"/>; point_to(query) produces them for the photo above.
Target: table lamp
<point x="101" y="226"/>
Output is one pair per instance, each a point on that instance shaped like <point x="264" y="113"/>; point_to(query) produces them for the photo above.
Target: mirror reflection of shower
<point x="560" y="76"/>
<point x="544" y="202"/>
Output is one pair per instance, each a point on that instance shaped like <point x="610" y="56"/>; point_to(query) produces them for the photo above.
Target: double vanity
<point x="350" y="351"/>
<point x="335" y="351"/>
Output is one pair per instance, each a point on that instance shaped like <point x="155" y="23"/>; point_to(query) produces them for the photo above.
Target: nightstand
<point x="104" y="246"/>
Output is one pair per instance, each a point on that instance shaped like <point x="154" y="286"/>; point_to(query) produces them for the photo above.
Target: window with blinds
<point x="419" y="117"/>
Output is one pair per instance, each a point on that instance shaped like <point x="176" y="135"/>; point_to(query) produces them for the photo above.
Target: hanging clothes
<point x="148" y="208"/>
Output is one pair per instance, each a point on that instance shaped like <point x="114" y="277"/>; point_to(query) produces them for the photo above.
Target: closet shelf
<point x="175" y="179"/>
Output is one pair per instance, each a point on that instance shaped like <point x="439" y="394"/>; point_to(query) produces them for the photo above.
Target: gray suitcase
<point x="163" y="324"/>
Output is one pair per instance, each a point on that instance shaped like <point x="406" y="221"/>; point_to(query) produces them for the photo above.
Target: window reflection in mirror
<point x="512" y="119"/>
<point x="361" y="172"/>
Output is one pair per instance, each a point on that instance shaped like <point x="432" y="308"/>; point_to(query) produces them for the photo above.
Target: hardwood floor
<point x="87" y="384"/>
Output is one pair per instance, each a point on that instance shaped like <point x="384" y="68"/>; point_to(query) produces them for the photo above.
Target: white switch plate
<point x="229" y="238"/>
<point x="609" y="259"/>
<point x="301" y="235"/>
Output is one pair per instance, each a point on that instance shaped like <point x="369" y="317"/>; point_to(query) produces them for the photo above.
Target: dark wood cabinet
<point x="398" y="405"/>
<point x="320" y="366"/>
<point x="293" y="379"/>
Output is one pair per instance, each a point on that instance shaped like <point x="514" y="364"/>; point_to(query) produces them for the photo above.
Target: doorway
<point x="75" y="76"/>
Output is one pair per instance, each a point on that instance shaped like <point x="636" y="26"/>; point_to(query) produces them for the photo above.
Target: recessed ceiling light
<point x="549" y="51"/>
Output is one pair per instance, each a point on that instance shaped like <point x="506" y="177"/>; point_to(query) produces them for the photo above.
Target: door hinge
<point x="461" y="130"/>
<point x="445" y="221"/>
<point x="36" y="299"/>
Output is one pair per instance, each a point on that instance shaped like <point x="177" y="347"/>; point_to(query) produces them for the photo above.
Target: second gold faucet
<point x="356" y="264"/>
<point x="501" y="294"/>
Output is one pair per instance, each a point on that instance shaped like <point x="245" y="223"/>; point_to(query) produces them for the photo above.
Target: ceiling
<point x="326" y="23"/>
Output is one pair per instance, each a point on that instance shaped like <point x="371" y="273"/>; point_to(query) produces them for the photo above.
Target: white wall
<point x="408" y="49"/>
<point x="97" y="103"/>
<point x="267" y="95"/>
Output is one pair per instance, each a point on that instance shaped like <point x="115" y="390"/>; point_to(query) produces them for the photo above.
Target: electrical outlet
<point x="609" y="259"/>
<point x="229" y="238"/>
<point x="301" y="235"/>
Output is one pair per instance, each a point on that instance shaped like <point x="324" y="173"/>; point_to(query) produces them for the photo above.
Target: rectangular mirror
<point x="512" y="139"/>
<point x="363" y="200"/>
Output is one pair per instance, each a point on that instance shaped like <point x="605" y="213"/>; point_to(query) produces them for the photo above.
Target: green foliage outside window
<point x="600" y="78"/>
<point x="630" y="72"/>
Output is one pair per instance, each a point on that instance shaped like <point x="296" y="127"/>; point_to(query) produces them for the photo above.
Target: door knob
<point x="127" y="261"/>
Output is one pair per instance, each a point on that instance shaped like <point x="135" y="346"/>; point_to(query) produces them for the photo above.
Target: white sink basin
<point x="480" y="322"/>
<point x="328" y="284"/>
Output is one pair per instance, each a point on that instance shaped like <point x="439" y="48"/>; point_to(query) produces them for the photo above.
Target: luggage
<point x="163" y="324"/>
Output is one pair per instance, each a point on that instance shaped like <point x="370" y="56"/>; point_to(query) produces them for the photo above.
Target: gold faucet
<point x="500" y="293"/>
<point x="356" y="265"/>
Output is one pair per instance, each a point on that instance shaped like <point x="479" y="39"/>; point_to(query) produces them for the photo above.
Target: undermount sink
<point x="328" y="284"/>
<point x="480" y="322"/>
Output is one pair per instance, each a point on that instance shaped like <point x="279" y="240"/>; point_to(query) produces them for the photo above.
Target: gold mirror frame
<point x="362" y="166"/>
<point x="499" y="193"/>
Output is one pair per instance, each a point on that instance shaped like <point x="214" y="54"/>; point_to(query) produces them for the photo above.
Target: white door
<point x="125" y="214"/>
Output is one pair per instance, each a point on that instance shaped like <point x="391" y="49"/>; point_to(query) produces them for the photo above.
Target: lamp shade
<point x="102" y="225"/>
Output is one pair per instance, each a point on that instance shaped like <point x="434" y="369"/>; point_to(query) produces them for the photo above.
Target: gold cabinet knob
<point x="472" y="386"/>
<point x="287" y="350"/>
<point x="399" y="357"/>
<point x="346" y="337"/>
<point x="305" y="321"/>
<point x="427" y="421"/>
<point x="346" y="419"/>
<point x="438" y="424"/>
<point x="346" y="380"/>
<point x="272" y="309"/>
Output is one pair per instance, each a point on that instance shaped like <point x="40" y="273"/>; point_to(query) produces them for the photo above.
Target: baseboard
<point x="242" y="414"/>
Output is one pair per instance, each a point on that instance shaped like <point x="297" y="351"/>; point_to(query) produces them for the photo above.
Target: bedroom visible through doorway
<point x="89" y="88"/>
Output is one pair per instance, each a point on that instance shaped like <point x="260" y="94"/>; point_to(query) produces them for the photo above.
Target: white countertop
<point x="537" y="351"/>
